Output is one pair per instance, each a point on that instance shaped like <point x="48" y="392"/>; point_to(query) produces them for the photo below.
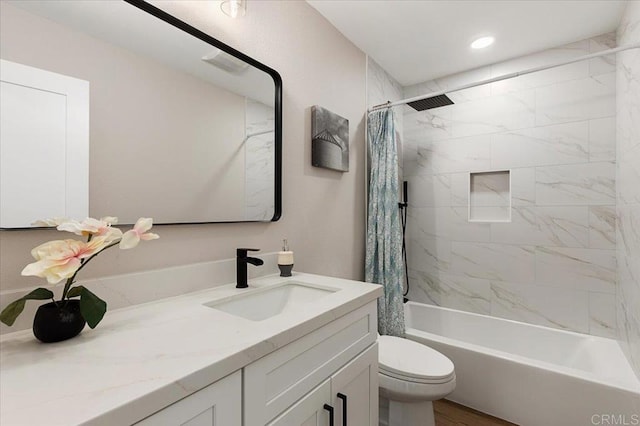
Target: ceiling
<point x="415" y="41"/>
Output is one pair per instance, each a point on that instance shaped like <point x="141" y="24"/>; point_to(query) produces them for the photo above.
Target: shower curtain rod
<point x="504" y="77"/>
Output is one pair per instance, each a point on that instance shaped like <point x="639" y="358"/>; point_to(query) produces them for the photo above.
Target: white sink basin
<point x="264" y="303"/>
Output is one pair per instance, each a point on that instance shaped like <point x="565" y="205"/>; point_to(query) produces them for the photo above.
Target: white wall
<point x="554" y="263"/>
<point x="322" y="210"/>
<point x="628" y="185"/>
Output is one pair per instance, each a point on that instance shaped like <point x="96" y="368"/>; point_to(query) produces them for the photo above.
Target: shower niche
<point x="490" y="196"/>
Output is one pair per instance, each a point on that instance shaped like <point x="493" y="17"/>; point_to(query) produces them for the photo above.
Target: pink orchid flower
<point x="51" y="222"/>
<point x="60" y="259"/>
<point x="95" y="227"/>
<point x="131" y="238"/>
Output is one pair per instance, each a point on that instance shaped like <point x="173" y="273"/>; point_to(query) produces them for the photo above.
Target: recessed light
<point x="482" y="42"/>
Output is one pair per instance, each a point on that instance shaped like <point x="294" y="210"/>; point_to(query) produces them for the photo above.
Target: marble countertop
<point x="143" y="358"/>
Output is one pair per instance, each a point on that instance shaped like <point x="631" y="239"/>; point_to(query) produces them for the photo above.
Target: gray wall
<point x="137" y="119"/>
<point x="323" y="210"/>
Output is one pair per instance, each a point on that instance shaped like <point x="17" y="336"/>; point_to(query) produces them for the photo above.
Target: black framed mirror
<point x="182" y="127"/>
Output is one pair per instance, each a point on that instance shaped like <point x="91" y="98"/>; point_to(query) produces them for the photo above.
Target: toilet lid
<point x="406" y="359"/>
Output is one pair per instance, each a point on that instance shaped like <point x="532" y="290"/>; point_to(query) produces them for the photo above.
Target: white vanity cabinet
<point x="305" y="383"/>
<point x="292" y="385"/>
<point x="281" y="371"/>
<point x="354" y="387"/>
<point x="219" y="404"/>
<point x="309" y="411"/>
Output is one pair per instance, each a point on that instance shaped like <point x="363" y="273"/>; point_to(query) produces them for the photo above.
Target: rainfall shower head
<point x="432" y="102"/>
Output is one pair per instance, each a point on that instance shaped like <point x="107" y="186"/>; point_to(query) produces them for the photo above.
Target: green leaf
<point x="75" y="291"/>
<point x="13" y="309"/>
<point x="11" y="312"/>
<point x="39" y="294"/>
<point x="92" y="307"/>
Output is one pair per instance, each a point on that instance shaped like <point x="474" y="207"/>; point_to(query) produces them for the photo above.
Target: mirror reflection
<point x="179" y="130"/>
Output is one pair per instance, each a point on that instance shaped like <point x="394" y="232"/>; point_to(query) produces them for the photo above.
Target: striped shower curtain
<point x="384" y="264"/>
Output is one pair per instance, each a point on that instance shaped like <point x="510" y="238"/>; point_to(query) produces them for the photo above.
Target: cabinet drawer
<point x="276" y="381"/>
<point x="219" y="404"/>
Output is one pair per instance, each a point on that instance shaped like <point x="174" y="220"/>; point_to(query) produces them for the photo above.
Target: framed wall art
<point x="330" y="140"/>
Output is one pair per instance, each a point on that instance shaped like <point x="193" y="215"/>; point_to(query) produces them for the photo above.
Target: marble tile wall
<point x="259" y="159"/>
<point x="554" y="262"/>
<point x="628" y="186"/>
<point x="381" y="88"/>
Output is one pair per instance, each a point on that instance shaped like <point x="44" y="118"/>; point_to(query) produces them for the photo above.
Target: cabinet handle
<point x="330" y="410"/>
<point x="343" y="397"/>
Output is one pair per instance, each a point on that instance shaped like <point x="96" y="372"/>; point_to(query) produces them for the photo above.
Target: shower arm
<point x="505" y="77"/>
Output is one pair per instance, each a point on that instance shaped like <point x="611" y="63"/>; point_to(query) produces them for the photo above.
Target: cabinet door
<point x="219" y="404"/>
<point x="309" y="411"/>
<point x="355" y="387"/>
<point x="276" y="381"/>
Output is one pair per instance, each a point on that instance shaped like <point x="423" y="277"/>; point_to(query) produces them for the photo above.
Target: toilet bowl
<point x="411" y="376"/>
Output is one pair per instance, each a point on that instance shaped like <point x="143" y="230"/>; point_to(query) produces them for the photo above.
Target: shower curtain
<point x="383" y="263"/>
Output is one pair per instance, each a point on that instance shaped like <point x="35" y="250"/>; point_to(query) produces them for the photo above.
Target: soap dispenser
<point x="285" y="260"/>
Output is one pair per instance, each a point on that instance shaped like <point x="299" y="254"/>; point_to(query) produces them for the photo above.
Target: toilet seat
<point x="413" y="362"/>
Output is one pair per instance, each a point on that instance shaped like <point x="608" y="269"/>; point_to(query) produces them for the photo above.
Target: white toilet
<point x="411" y="376"/>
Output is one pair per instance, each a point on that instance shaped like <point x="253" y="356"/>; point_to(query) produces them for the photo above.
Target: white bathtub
<point x="528" y="374"/>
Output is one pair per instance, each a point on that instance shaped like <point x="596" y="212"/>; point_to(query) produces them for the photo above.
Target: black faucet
<point x="241" y="266"/>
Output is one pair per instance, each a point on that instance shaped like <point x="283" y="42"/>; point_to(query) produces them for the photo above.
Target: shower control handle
<point x="405" y="192"/>
<point x="330" y="410"/>
<point x="343" y="397"/>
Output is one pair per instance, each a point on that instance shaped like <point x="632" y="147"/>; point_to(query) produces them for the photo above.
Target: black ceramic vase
<point x="57" y="321"/>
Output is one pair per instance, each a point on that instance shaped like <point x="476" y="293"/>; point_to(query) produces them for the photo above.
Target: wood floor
<point x="448" y="413"/>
